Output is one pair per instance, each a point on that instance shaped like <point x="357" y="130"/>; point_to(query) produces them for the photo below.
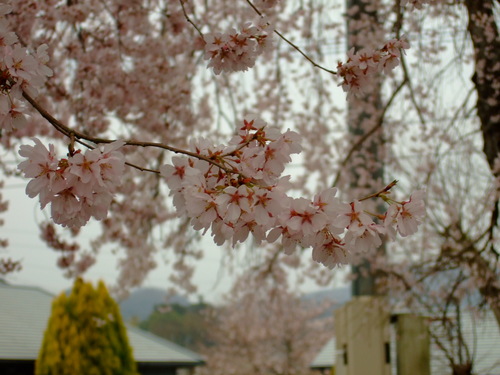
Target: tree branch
<point x="189" y="19"/>
<point x="67" y="131"/>
<point x="294" y="46"/>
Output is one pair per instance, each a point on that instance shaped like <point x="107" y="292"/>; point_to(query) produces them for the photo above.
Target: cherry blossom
<point x="41" y="167"/>
<point x="7" y="37"/>
<point x="12" y="114"/>
<point x="407" y="216"/>
<point x="234" y="190"/>
<point x="19" y="70"/>
<point x="8" y="265"/>
<point x="330" y="250"/>
<point x="263" y="327"/>
<point x="363" y="65"/>
<point x="232" y="205"/>
<point x="365" y="240"/>
<point x="302" y="218"/>
<point x="233" y="201"/>
<point x="135" y="72"/>
<point x="79" y="187"/>
<point x="234" y="50"/>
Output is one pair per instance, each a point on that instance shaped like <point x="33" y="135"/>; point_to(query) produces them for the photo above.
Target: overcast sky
<point x="39" y="262"/>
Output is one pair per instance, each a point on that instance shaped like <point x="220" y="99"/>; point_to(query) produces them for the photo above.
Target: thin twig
<point x="142" y="169"/>
<point x="189" y="19"/>
<point x="244" y="144"/>
<point x="304" y="54"/>
<point x="412" y="92"/>
<point x="380" y="192"/>
<point x="294" y="46"/>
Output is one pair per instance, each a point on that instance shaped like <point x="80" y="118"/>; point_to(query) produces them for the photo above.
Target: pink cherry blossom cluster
<point x="233" y="190"/>
<point x="77" y="187"/>
<point x="19" y="70"/>
<point x="406" y="216"/>
<point x="363" y="65"/>
<point x="8" y="265"/>
<point x="234" y="50"/>
<point x="245" y="193"/>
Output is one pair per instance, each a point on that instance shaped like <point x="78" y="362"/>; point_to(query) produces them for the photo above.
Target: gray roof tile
<point x="25" y="311"/>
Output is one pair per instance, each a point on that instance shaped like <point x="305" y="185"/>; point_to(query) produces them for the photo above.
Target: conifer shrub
<point x="85" y="335"/>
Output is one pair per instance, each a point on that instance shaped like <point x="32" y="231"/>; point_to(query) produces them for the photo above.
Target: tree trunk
<point x="364" y="31"/>
<point x="483" y="31"/>
<point x="462" y="369"/>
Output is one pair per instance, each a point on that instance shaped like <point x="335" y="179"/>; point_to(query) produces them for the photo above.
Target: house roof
<point x="326" y="357"/>
<point x="25" y="311"/>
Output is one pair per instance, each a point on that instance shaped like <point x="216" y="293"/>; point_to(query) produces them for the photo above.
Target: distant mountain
<point x="337" y="296"/>
<point x="141" y="302"/>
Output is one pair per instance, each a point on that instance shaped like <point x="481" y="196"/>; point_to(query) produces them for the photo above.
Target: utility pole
<point x="362" y="325"/>
<point x="366" y="168"/>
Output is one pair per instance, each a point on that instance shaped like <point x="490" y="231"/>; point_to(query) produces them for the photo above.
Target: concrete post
<point x="412" y="345"/>
<point x="362" y="337"/>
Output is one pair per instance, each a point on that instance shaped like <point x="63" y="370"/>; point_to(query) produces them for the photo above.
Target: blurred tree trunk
<point x="483" y="30"/>
<point x="365" y="169"/>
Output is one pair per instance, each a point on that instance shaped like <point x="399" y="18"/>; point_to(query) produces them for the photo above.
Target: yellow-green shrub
<point x="85" y="335"/>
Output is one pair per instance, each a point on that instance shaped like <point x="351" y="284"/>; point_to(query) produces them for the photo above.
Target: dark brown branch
<point x="67" y="131"/>
<point x="485" y="37"/>
<point x="483" y="30"/>
<point x="380" y="192"/>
